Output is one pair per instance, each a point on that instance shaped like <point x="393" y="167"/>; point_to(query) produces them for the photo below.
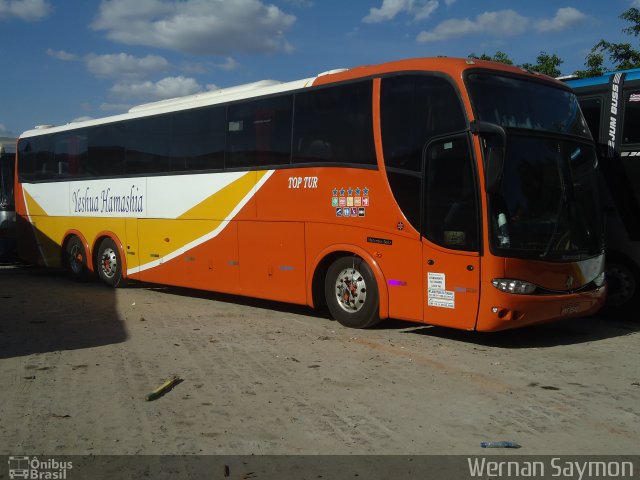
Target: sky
<point x="66" y="60"/>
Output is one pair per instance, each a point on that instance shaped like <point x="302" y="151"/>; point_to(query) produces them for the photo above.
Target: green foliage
<point x="621" y="55"/>
<point x="547" y="64"/>
<point x="499" y="56"/>
<point x="594" y="63"/>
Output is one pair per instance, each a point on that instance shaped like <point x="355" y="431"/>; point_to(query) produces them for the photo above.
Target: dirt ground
<point x="77" y="360"/>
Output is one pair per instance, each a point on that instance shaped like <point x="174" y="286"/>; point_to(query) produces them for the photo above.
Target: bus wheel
<point x="622" y="285"/>
<point x="75" y="259"/>
<point x="108" y="263"/>
<point x="351" y="293"/>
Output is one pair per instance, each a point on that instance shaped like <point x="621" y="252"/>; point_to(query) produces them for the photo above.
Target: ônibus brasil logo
<point x="34" y="468"/>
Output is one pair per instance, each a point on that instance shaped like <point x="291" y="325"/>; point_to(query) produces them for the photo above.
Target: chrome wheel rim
<point x="351" y="290"/>
<point x="109" y="262"/>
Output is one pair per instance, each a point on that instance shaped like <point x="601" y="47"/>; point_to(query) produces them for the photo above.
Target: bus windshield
<point x="546" y="205"/>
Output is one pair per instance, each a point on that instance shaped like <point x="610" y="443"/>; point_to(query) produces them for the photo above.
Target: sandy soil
<point x="76" y="361"/>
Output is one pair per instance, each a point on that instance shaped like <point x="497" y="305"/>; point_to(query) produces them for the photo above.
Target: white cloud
<point x="62" y="55"/>
<point x="565" y="18"/>
<point x="3" y="129"/>
<point x="228" y="65"/>
<point x="169" y="87"/>
<point x="28" y="10"/>
<point x="213" y="27"/>
<point x="503" y="23"/>
<point x="119" y="65"/>
<point x="419" y="9"/>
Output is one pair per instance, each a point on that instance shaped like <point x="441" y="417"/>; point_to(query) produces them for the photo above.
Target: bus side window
<point x="631" y="126"/>
<point x="592" y="109"/>
<point x="334" y="124"/>
<point x="259" y="132"/>
<point x="451" y="218"/>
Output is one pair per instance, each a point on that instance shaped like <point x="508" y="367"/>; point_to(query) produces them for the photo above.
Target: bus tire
<point x="109" y="264"/>
<point x="622" y="284"/>
<point x="351" y="293"/>
<point x="75" y="259"/>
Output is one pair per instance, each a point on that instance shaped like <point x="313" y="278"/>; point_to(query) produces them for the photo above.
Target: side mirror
<point x="495" y="140"/>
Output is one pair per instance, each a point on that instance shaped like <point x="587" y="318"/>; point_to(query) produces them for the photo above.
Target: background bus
<point x="611" y="106"/>
<point x="7" y="205"/>
<point x="453" y="192"/>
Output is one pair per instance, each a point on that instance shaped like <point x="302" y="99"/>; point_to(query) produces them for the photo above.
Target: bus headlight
<point x="514" y="286"/>
<point x="599" y="280"/>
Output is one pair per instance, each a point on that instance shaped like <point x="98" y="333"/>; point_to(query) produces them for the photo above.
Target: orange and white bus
<point x="452" y="192"/>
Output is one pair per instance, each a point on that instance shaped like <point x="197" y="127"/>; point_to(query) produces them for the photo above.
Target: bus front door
<point x="451" y="262"/>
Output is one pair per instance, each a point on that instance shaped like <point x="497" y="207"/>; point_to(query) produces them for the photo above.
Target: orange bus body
<point x="272" y="233"/>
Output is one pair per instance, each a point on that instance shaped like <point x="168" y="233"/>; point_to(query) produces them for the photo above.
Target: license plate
<point x="569" y="309"/>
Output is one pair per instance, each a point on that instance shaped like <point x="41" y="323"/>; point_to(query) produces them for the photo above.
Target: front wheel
<point x="351" y="292"/>
<point x="622" y="284"/>
<point x="109" y="264"/>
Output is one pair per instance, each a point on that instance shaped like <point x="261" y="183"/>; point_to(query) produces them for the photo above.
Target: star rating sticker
<point x="350" y="191"/>
<point x="358" y="191"/>
<point x="342" y="192"/>
<point x="335" y="192"/>
<point x="365" y="191"/>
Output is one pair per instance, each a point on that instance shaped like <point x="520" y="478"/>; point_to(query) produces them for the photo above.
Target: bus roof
<point x="269" y="87"/>
<point x="631" y="74"/>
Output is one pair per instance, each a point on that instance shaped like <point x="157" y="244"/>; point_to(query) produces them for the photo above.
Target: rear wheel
<point x="109" y="264"/>
<point x="351" y="293"/>
<point x="75" y="259"/>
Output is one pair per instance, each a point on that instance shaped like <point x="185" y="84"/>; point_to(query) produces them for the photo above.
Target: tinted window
<point x="415" y="108"/>
<point x="147" y="145"/>
<point x="591" y="109"/>
<point x="631" y="129"/>
<point x="334" y="125"/>
<point x="70" y="152"/>
<point x="521" y="103"/>
<point x="259" y="132"/>
<point x="198" y="138"/>
<point x="451" y="212"/>
<point x="106" y="150"/>
<point x="36" y="158"/>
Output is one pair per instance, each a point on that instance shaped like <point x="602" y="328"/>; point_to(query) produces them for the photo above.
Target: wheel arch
<point x="109" y="234"/>
<point x="76" y="233"/>
<point x="321" y="265"/>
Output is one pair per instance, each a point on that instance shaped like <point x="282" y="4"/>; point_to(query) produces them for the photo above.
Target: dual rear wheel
<point x="107" y="264"/>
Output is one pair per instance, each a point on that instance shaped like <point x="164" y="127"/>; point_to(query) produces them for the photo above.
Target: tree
<point x="547" y="64"/>
<point x="499" y="56"/>
<point x="622" y="55"/>
<point x="594" y="63"/>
